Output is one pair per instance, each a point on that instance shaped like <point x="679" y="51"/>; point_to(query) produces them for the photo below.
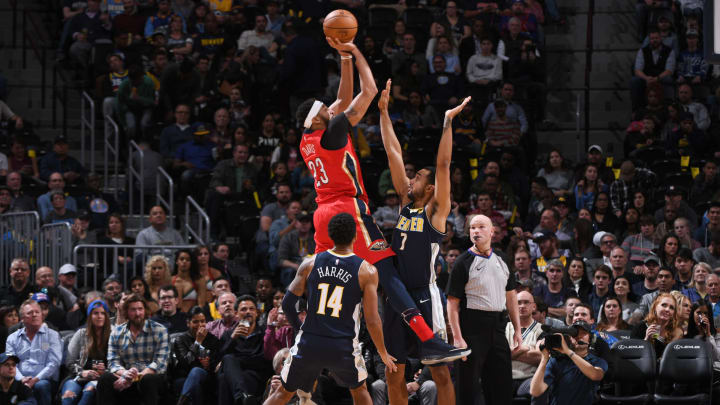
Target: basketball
<point x="341" y="25"/>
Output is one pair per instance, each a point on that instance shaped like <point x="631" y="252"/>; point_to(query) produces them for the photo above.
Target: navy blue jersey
<point x="334" y="296"/>
<point x="416" y="244"/>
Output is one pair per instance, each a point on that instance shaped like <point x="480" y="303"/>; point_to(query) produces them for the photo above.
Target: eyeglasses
<point x="608" y="242"/>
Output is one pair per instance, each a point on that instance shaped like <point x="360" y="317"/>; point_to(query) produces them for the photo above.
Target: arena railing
<point x="19" y="235"/>
<point x="54" y="245"/>
<point x="96" y="263"/>
<point x="87" y="128"/>
<point x="193" y="212"/>
<point x="111" y="149"/>
<point x="136" y="183"/>
<point x="165" y="201"/>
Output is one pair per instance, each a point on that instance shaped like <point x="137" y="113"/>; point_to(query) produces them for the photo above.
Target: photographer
<point x="573" y="377"/>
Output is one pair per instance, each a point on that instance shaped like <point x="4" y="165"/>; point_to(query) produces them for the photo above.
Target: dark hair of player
<point x="303" y="110"/>
<point x="342" y="229"/>
<point x="431" y="175"/>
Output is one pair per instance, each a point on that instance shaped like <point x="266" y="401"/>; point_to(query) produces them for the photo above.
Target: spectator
<point x="176" y="134"/>
<point x="706" y="185"/>
<point x="698" y="110"/>
<point x="419" y="115"/>
<point x="547" y="251"/>
<point x="682" y="229"/>
<point x="139" y="286"/>
<point x="513" y="111"/>
<point x="208" y="273"/>
<point x="527" y="356"/>
<point x="244" y="367"/>
<point x="665" y="284"/>
<point x="228" y="311"/>
<point x="259" y="37"/>
<point x="621" y="288"/>
<point x="302" y="72"/>
<point x="696" y="291"/>
<point x="188" y="281"/>
<point x="441" y="88"/>
<point x="713" y="296"/>
<point x="6" y="200"/>
<point x="136" y="98"/>
<point x="692" y="67"/>
<point x="138" y="352"/>
<point x="58" y="161"/>
<point x="45" y="278"/>
<point x="59" y="212"/>
<point x="12" y="389"/>
<point x="195" y="158"/>
<point x="107" y="85"/>
<point x="404" y="57"/>
<point x="630" y="180"/>
<point x="484" y="72"/>
<point x="654" y="63"/>
<point x="641" y="245"/>
<point x="87" y="356"/>
<point x="39" y="350"/>
<point x="67" y="275"/>
<point x="179" y="43"/>
<point x="20" y="287"/>
<point x="212" y="308"/>
<point x="87" y="28"/>
<point x="112" y="290"/>
<point x="115" y="234"/>
<point x="160" y="21"/>
<point x="158" y="233"/>
<point x="387" y="215"/>
<point x="650" y="270"/>
<point x="278" y="333"/>
<point x="281" y="227"/>
<point x="554" y="293"/>
<point x="577" y="278"/>
<point x="271" y="212"/>
<point x="20" y="200"/>
<point x="442" y="45"/>
<point x="572" y="378"/>
<point x="711" y="253"/>
<point x="196" y="352"/>
<point x="169" y="316"/>
<point x="294" y="247"/>
<point x="703" y="233"/>
<point x="130" y="24"/>
<point x="660" y="327"/>
<point x="683" y="264"/>
<point x="602" y="278"/>
<point x="157" y="275"/>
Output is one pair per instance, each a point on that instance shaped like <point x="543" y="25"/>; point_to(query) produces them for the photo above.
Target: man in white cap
<point x="605" y="241"/>
<point x="68" y="276"/>
<point x="595" y="157"/>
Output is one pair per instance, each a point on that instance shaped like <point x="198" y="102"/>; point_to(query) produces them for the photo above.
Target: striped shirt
<point x="507" y="132"/>
<point x="150" y="349"/>
<point x="480" y="281"/>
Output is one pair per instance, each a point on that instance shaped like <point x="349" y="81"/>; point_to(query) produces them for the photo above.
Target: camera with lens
<point x="553" y="337"/>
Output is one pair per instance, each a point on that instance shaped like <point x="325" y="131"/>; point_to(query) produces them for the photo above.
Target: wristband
<point x="343" y="57"/>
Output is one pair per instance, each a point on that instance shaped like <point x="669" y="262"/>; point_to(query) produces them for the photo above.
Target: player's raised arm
<point x="295" y="291"/>
<point x="368" y="89"/>
<point x="392" y="147"/>
<point x="345" y="90"/>
<point x="440" y="205"/>
<point x="368" y="280"/>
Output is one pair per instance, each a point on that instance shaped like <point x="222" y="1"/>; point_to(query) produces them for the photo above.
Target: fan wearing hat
<point x="547" y="245"/>
<point x="12" y="391"/>
<point x="160" y="20"/>
<point x="195" y="158"/>
<point x="691" y="67"/>
<point x="59" y="161"/>
<point x="387" y="215"/>
<point x="674" y="200"/>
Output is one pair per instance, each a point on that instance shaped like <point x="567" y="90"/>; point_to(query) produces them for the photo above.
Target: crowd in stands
<point x="628" y="243"/>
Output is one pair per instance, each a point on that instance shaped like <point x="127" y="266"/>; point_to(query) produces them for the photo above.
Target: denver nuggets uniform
<point x="416" y="244"/>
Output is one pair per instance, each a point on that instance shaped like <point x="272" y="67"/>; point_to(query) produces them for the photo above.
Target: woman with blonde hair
<point x="697" y="289"/>
<point x="661" y="324"/>
<point x="684" y="305"/>
<point x="157" y="274"/>
<point x="87" y="354"/>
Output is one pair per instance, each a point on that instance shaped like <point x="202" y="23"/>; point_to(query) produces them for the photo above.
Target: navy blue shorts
<point x="312" y="353"/>
<point x="400" y="340"/>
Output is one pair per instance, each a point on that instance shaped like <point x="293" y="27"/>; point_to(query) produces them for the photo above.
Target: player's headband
<point x="314" y="110"/>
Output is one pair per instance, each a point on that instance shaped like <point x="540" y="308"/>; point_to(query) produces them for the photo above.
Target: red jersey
<point x="337" y="172"/>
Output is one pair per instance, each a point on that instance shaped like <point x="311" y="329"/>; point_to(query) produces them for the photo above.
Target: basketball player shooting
<point x="327" y="150"/>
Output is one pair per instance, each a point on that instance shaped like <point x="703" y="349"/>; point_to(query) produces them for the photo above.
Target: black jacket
<point x="185" y="353"/>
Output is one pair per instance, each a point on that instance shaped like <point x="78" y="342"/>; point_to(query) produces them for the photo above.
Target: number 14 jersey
<point x="337" y="173"/>
<point x="416" y="244"/>
<point x="333" y="296"/>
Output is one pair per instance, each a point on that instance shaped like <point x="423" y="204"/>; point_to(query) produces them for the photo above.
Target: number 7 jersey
<point x="336" y="172"/>
<point x="416" y="244"/>
<point x="333" y="296"/>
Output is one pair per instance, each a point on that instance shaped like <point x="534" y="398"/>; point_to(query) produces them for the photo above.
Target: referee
<point x="480" y="288"/>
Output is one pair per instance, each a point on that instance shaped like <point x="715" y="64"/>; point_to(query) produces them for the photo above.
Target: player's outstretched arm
<point x="295" y="291"/>
<point x="392" y="146"/>
<point x="345" y="90"/>
<point x="440" y="206"/>
<point x="368" y="89"/>
<point x="368" y="279"/>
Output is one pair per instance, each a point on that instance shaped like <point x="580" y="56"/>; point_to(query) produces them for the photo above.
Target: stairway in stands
<point x="39" y="103"/>
<point x="614" y="46"/>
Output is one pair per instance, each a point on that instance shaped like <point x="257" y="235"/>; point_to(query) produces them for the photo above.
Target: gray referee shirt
<point x="481" y="281"/>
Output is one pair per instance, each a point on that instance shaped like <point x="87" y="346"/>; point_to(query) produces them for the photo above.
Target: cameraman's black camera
<point x="553" y="337"/>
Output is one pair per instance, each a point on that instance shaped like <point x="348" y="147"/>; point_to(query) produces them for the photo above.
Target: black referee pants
<point x="489" y="360"/>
